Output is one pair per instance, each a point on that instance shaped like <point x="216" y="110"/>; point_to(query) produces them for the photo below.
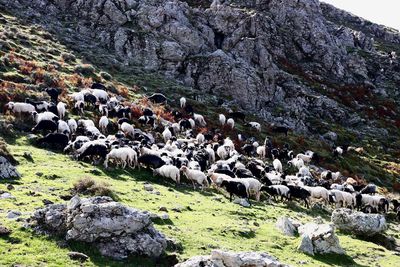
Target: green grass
<point x="206" y="225"/>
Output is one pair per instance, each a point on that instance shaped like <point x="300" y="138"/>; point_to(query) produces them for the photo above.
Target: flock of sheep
<point x="206" y="158"/>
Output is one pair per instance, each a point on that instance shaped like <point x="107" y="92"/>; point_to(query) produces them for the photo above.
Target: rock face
<point x="319" y="239"/>
<point x="7" y="171"/>
<point x="285" y="225"/>
<point x="220" y="258"/>
<point x="359" y="223"/>
<point x="118" y="231"/>
<point x="287" y="63"/>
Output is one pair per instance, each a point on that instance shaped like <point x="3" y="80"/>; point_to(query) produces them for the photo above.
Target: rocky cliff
<point x="293" y="62"/>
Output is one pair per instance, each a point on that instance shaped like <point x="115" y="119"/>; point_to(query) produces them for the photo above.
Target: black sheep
<point x="185" y="125"/>
<point x="396" y="208"/>
<point x="93" y="150"/>
<point x="281" y="129"/>
<point x="148" y="112"/>
<point x="91" y="99"/>
<point x="237" y="115"/>
<point x="98" y="86"/>
<point x="243" y="173"/>
<point x="299" y="193"/>
<point x="40" y="106"/>
<point x="122" y="120"/>
<point x="53" y="108"/>
<point x="226" y="172"/>
<point x="383" y="205"/>
<point x="53" y="93"/>
<point x="45" y="126"/>
<point x="369" y="189"/>
<point x="189" y="109"/>
<point x="153" y="161"/>
<point x="235" y="188"/>
<point x="54" y="139"/>
<point x="123" y="112"/>
<point x="158" y="98"/>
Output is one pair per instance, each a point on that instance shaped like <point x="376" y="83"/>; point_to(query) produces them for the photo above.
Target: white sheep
<point x="47" y="115"/>
<point x="168" y="171"/>
<point x="124" y="156"/>
<point x="231" y="123"/>
<point x="274" y="177"/>
<point x="305" y="158"/>
<point x="79" y="106"/>
<point x="103" y="124"/>
<point x="18" y="108"/>
<point x="192" y="123"/>
<point x="222" y="119"/>
<point x="128" y="129"/>
<point x="194" y="165"/>
<point x="211" y="154"/>
<point x="253" y="186"/>
<point x="277" y="165"/>
<point x="63" y="128"/>
<point x="85" y="123"/>
<point x="255" y="125"/>
<point x="296" y="162"/>
<point x="73" y="126"/>
<point x="61" y="108"/>
<point x="304" y="171"/>
<point x="318" y="192"/>
<point x="101" y="95"/>
<point x="195" y="175"/>
<point x="182" y="102"/>
<point x="343" y="199"/>
<point x="261" y="152"/>
<point x="167" y="135"/>
<point x="199" y="119"/>
<point x="78" y="96"/>
<point x="200" y="138"/>
<point x="223" y="152"/>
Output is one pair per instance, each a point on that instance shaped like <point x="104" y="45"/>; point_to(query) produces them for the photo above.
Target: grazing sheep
<point x="369" y="189"/>
<point x="338" y="151"/>
<point x="78" y="97"/>
<point x="44" y="116"/>
<point x="261" y="152"/>
<point x="45" y="126"/>
<point x="61" y="107"/>
<point x="231" y="123"/>
<point x="254" y="125"/>
<point x="328" y="175"/>
<point x="396" y="208"/>
<point x="103" y="124"/>
<point x="157" y="98"/>
<point x="73" y="126"/>
<point x="18" y="108"/>
<point x="305" y="158"/>
<point x="182" y="102"/>
<point x="222" y="119"/>
<point x="79" y="107"/>
<point x="277" y="190"/>
<point x="128" y="129"/>
<point x="318" y="192"/>
<point x="92" y="149"/>
<point x="237" y="115"/>
<point x="55" y="140"/>
<point x="199" y="119"/>
<point x="200" y="138"/>
<point x="296" y="162"/>
<point x="53" y="93"/>
<point x="101" y="95"/>
<point x="378" y="202"/>
<point x="299" y="193"/>
<point x="40" y="106"/>
<point x="192" y="123"/>
<point x="151" y="160"/>
<point x="195" y="175"/>
<point x="77" y="143"/>
<point x="168" y="171"/>
<point x="223" y="152"/>
<point x="277" y="165"/>
<point x="63" y="128"/>
<point x="167" y="135"/>
<point x="124" y="156"/>
<point x="235" y="188"/>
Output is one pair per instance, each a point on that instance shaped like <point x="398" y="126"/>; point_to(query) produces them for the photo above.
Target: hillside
<point x="340" y="88"/>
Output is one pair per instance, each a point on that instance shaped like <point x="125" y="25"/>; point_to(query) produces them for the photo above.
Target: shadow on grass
<point x="337" y="260"/>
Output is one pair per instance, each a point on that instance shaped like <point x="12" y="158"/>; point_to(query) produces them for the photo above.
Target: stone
<point x="162" y="208"/>
<point x="164" y="216"/>
<point x="39" y="174"/>
<point x="323" y="239"/>
<point x="116" y="230"/>
<point x="148" y="187"/>
<point x="13" y="214"/>
<point x="7" y="170"/>
<point x="286" y="226"/>
<point x="359" y="223"/>
<point x="242" y="202"/>
<point x="221" y="258"/>
<point x="10" y="187"/>
<point x="78" y="256"/>
<point x="4" y="231"/>
<point x="6" y="196"/>
<point x="331" y="136"/>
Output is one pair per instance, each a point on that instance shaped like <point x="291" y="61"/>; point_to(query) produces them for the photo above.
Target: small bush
<point x="84" y="69"/>
<point x="89" y="186"/>
<point x="123" y="91"/>
<point x="67" y="57"/>
<point x="106" y="76"/>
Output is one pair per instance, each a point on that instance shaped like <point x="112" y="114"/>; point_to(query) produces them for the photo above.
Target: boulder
<point x="242" y="202"/>
<point x="322" y="237"/>
<point x="221" y="258"/>
<point x="359" y="223"/>
<point x="116" y="230"/>
<point x="7" y="170"/>
<point x="13" y="214"/>
<point x="285" y="225"/>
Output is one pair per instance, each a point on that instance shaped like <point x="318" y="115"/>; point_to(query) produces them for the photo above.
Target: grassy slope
<point x="210" y="223"/>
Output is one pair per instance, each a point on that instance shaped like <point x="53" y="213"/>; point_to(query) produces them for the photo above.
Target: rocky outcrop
<point x="271" y="59"/>
<point x="7" y="170"/>
<point x="118" y="231"/>
<point x="285" y="225"/>
<point x="359" y="223"/>
<point x="319" y="239"/>
<point x="220" y="258"/>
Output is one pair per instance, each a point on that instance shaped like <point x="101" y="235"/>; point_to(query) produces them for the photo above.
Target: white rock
<point x="285" y="226"/>
<point x="323" y="239"/>
<point x="241" y="201"/>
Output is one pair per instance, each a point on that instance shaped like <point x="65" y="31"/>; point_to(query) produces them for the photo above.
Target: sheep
<point x="182" y="101"/>
<point x="123" y="155"/>
<point x="217" y="178"/>
<point x="299" y="193"/>
<point x="86" y="123"/>
<point x="222" y="119"/>
<point x="195" y="175"/>
<point x="281" y="129"/>
<point x="79" y="107"/>
<point x="167" y="135"/>
<point x="92" y="149"/>
<point x="61" y="107"/>
<point x="318" y="192"/>
<point x="45" y="125"/>
<point x="277" y="190"/>
<point x="273" y="177"/>
<point x="200" y="138"/>
<point x="192" y="123"/>
<point x="40" y="106"/>
<point x="199" y="119"/>
<point x="19" y="107"/>
<point x="101" y="95"/>
<point x="63" y="128"/>
<point x="253" y="186"/>
<point x="151" y="160"/>
<point x="296" y="162"/>
<point x="338" y="151"/>
<point x="396" y="208"/>
<point x="254" y="125"/>
<point x="277" y="165"/>
<point x="168" y="171"/>
<point x="305" y="158"/>
<point x="235" y="188"/>
<point x="237" y="115"/>
<point x="328" y="175"/>
<point x="78" y="97"/>
<point x="223" y="152"/>
<point x="77" y="143"/>
<point x="128" y="129"/>
<point x="53" y="93"/>
<point x="103" y="124"/>
<point x="44" y="116"/>
<point x="211" y="154"/>
<point x="378" y="202"/>
<point x="305" y="172"/>
<point x="157" y="98"/>
<point x="73" y="126"/>
<point x="54" y="139"/>
<point x="231" y="123"/>
<point x="369" y="189"/>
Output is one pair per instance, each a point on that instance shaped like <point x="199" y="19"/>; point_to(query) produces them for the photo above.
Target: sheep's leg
<point x="194" y="187"/>
<point x="230" y="197"/>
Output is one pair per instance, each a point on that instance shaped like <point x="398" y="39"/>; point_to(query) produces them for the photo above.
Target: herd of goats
<point x="184" y="147"/>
